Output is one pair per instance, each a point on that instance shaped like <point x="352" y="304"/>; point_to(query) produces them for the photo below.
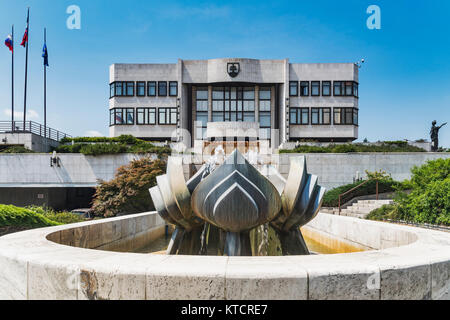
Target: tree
<point x="128" y="192"/>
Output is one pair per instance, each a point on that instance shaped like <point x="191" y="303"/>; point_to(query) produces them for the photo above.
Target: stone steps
<point x="362" y="208"/>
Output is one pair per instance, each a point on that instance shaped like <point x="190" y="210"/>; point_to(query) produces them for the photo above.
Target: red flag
<point x="25" y="38"/>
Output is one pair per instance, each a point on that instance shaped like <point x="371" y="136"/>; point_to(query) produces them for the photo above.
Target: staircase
<point x="362" y="208"/>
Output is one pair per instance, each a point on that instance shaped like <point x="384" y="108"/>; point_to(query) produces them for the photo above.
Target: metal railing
<point x="32" y="127"/>
<point x="356" y="188"/>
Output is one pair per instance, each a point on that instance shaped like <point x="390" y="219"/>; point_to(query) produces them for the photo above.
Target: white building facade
<point x="271" y="100"/>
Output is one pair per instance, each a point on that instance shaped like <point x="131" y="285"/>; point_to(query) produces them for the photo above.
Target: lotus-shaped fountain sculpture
<point x="225" y="204"/>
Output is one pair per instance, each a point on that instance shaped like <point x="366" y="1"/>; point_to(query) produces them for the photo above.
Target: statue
<point x="434" y="133"/>
<point x="217" y="208"/>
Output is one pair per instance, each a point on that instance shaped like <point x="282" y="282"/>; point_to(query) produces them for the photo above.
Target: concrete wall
<point x="77" y="170"/>
<point x="29" y="140"/>
<point x="335" y="170"/>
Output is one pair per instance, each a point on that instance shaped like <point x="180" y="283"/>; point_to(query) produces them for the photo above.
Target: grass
<point x="16" y="149"/>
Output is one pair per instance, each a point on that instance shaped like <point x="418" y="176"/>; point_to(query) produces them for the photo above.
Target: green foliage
<point x="429" y="200"/>
<point x="386" y="146"/>
<point x="128" y="192"/>
<point x="59" y="217"/>
<point x="331" y="198"/>
<point x="127" y="139"/>
<point x="23" y="217"/>
<point x="386" y="212"/>
<point x="102" y="145"/>
<point x="16" y="149"/>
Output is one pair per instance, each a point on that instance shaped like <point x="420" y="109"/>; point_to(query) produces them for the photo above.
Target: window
<point x="130" y="89"/>
<point x="293" y="88"/>
<point x="121" y="116"/>
<point x="265" y="117"/>
<point x="349" y="88"/>
<point x="233" y="104"/>
<point x="167" y="116"/>
<point x="145" y="116"/>
<point x="162" y="89"/>
<point x="151" y="88"/>
<point x="338" y="89"/>
<point x="345" y="88"/>
<point x="201" y="112"/>
<point x="345" y="116"/>
<point x="118" y="89"/>
<point x="173" y="88"/>
<point x="320" y="116"/>
<point x="326" y="88"/>
<point x="299" y="116"/>
<point x="315" y="88"/>
<point x="140" y="89"/>
<point x="304" y="88"/>
<point x="355" y="89"/>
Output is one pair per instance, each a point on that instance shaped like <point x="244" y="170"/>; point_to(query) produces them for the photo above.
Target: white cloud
<point x="18" y="115"/>
<point x="93" y="133"/>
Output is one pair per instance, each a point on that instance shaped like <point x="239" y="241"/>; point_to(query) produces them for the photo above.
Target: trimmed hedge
<point x="16" y="149"/>
<point x="386" y="146"/>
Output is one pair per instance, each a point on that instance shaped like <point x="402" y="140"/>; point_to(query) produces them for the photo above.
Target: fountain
<point x="215" y="211"/>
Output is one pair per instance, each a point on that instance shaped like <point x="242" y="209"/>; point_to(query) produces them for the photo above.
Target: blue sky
<point x="404" y="84"/>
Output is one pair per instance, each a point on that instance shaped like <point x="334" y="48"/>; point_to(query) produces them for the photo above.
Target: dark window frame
<point x="160" y="87"/>
<point x="299" y="116"/>
<point x="330" y="87"/>
<point x="176" y="88"/>
<point x="265" y="112"/>
<point x="123" y="114"/>
<point x="321" y="116"/>
<point x="127" y="84"/>
<point x="318" y="91"/>
<point x="152" y="84"/>
<point x="304" y="84"/>
<point x="139" y="85"/>
<point x="241" y="114"/>
<point x="343" y="85"/>
<point x="345" y="114"/>
<point x="296" y="88"/>
<point x="168" y="116"/>
<point x="146" y="112"/>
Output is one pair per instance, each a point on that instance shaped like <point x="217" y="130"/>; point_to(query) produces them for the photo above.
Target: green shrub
<point x="331" y="198"/>
<point x="60" y="217"/>
<point x="23" y="217"/>
<point x="429" y="200"/>
<point x="128" y="192"/>
<point x="16" y="149"/>
<point x="386" y="146"/>
<point x="386" y="212"/>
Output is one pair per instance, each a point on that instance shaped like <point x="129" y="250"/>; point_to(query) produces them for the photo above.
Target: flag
<point x="25" y="38"/>
<point x="25" y="35"/>
<point x="9" y="43"/>
<point x="45" y="55"/>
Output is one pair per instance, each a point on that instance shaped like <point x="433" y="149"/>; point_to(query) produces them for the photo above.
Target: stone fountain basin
<point x="71" y="262"/>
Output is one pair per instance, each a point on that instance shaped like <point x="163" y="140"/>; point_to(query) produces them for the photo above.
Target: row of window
<point x="313" y="88"/>
<point x="143" y="116"/>
<point x="142" y="89"/>
<point x="322" y="116"/>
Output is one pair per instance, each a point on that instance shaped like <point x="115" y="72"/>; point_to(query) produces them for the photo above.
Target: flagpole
<point x="26" y="71"/>
<point x="12" y="81"/>
<point x="45" y="91"/>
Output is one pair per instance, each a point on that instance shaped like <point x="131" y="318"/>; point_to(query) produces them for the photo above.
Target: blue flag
<point x="45" y="55"/>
